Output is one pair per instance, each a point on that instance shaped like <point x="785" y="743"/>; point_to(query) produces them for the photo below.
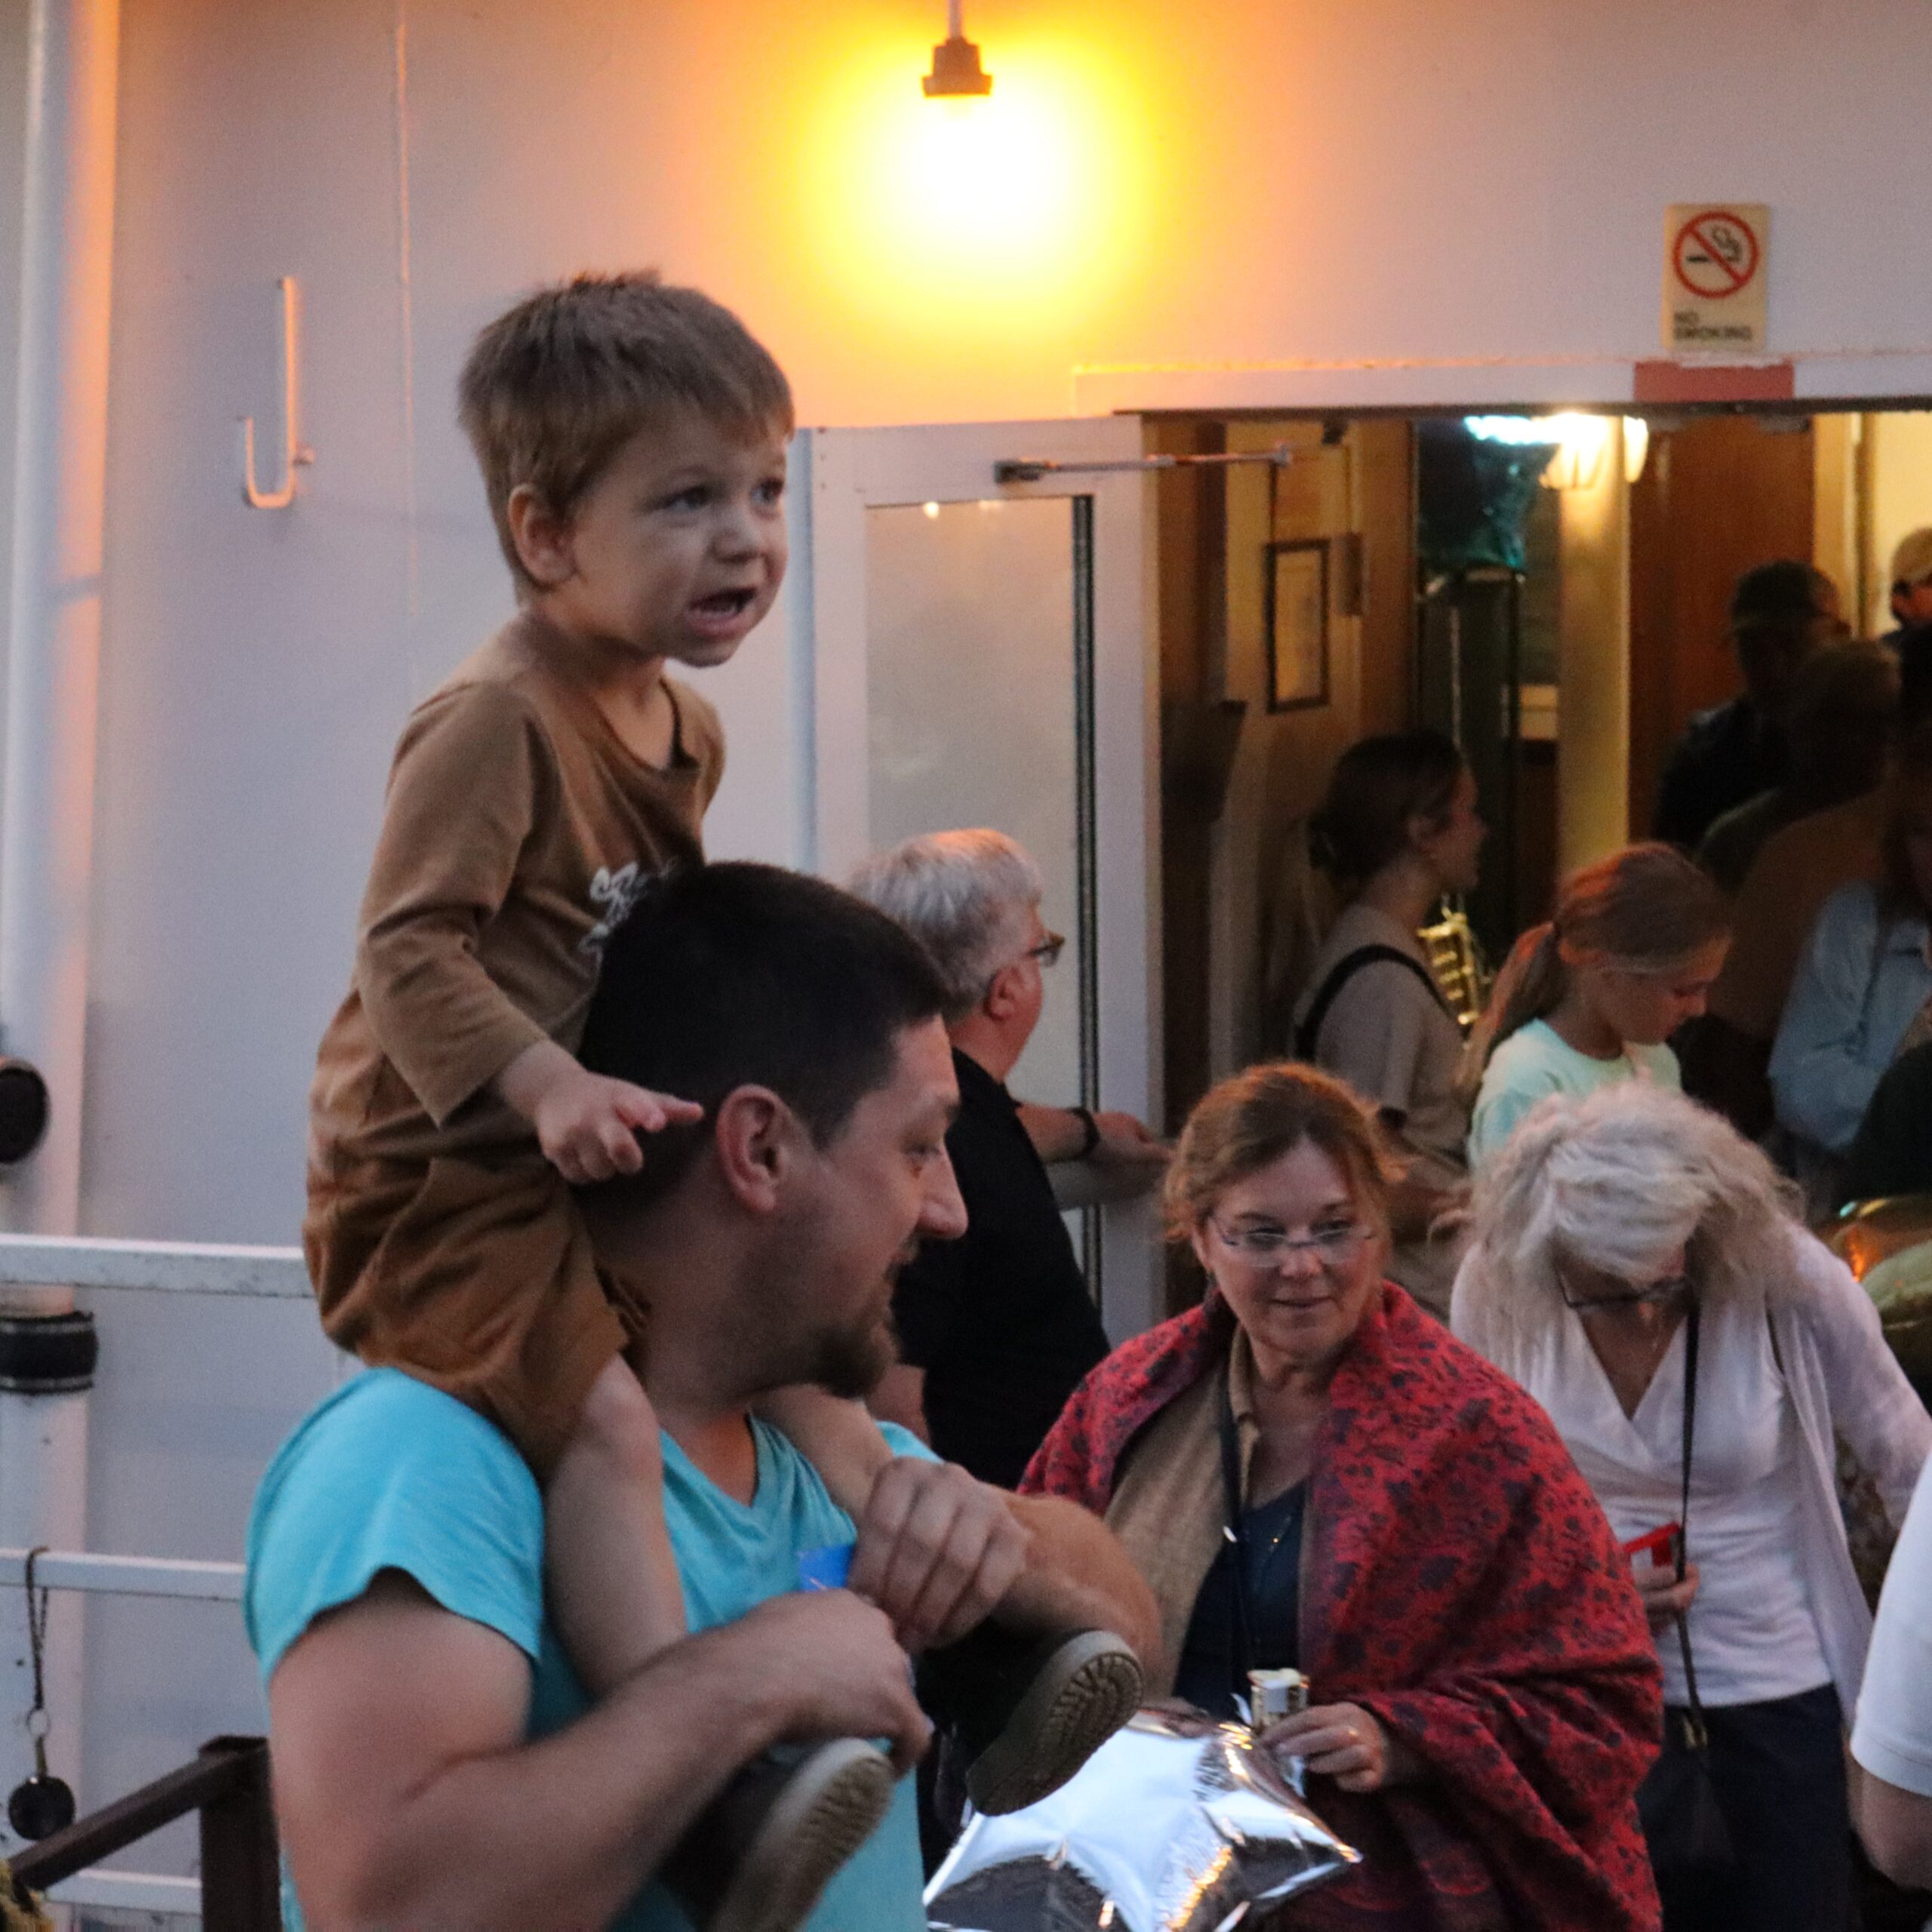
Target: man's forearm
<point x="563" y="1831"/>
<point x="1896" y="1827"/>
<point x="1079" y="1573"/>
<point x="1058" y="1134"/>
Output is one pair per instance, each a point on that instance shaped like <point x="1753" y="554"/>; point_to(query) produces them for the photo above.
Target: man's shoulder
<point x="1718" y="724"/>
<point x="1831" y="832"/>
<point x="388" y="1473"/>
<point x="986" y="1136"/>
<point x="381" y="1419"/>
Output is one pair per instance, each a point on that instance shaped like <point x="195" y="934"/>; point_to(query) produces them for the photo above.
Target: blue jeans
<point x="1778" y="1769"/>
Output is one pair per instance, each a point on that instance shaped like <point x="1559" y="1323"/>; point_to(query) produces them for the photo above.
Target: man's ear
<point x="543" y="537"/>
<point x="1001" y="997"/>
<point x="759" y="1141"/>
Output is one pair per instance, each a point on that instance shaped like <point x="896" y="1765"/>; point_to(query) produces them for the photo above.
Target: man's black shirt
<point x="1000" y="1320"/>
<point x="1726" y="757"/>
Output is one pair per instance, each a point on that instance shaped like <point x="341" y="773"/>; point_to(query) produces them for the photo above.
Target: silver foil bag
<point x="1177" y="1823"/>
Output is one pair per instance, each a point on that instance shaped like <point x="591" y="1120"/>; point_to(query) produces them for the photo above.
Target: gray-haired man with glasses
<point x="996" y="1329"/>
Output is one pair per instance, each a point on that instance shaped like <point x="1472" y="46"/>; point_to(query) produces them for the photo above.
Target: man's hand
<point x="937" y="1551"/>
<point x="1665" y="1598"/>
<point x="1126" y="1144"/>
<point x="838" y="1656"/>
<point x="586" y="1122"/>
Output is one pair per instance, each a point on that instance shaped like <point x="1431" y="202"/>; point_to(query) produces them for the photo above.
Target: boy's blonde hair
<point x="553" y="389"/>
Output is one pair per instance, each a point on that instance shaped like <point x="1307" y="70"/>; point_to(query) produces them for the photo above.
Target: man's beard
<point x="847" y="1359"/>
<point x="849" y="1362"/>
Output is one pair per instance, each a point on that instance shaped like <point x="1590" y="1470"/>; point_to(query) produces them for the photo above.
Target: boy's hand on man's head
<point x="587" y="1123"/>
<point x="588" y="1127"/>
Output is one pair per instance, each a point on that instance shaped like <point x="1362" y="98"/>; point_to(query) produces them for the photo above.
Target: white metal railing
<point x="125" y="1576"/>
<point x="153" y="1267"/>
<point x="102" y="1889"/>
<point x="175" y="1267"/>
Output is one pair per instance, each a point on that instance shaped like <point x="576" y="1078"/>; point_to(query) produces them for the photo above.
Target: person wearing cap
<point x="1779" y="613"/>
<point x="1912" y="606"/>
<point x="1838" y="723"/>
<point x="1912" y="583"/>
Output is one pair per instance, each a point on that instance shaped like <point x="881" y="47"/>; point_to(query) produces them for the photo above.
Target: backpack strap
<point x="1344" y="969"/>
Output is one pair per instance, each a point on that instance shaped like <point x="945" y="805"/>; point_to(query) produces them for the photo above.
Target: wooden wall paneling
<point x="1189" y="540"/>
<point x="1385" y="516"/>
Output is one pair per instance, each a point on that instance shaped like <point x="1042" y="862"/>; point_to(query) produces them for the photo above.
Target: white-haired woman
<point x="1618" y="1240"/>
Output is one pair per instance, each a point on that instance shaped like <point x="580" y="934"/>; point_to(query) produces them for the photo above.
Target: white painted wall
<point x="1344" y="179"/>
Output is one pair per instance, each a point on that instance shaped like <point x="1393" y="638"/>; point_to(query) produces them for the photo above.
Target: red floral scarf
<point x="1465" y="1589"/>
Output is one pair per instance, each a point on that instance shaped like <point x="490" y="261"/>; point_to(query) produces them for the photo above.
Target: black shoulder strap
<point x="1344" y="969"/>
<point x="1699" y="1736"/>
<point x="1241" y="1633"/>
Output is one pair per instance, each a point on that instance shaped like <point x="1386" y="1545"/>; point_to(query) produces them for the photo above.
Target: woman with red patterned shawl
<point x="1409" y="1533"/>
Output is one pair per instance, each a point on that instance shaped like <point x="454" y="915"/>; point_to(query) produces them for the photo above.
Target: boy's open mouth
<point x="725" y="604"/>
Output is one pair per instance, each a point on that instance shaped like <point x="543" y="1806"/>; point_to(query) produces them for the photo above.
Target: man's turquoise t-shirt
<point x="390" y="1474"/>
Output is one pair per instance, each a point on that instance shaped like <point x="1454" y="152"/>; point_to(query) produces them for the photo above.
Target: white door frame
<point x="853" y="471"/>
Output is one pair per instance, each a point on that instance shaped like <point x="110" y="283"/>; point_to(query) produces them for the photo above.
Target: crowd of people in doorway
<point x="1717" y="1039"/>
<point x="738" y="1419"/>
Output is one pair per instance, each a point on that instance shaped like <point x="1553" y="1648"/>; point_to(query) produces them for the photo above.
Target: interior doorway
<point x="1552" y="591"/>
<point x="1139" y="643"/>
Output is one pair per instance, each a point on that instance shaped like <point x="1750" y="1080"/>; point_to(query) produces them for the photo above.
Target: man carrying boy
<point x="632" y="438"/>
<point x="434" y="1762"/>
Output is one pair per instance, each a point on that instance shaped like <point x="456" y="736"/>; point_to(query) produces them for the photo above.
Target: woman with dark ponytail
<point x="1397" y="831"/>
<point x="1591" y="997"/>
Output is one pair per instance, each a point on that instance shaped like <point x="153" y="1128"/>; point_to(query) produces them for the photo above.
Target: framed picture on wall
<point x="1297" y="621"/>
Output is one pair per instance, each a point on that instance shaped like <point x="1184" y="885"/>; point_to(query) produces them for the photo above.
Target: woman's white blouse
<point x="1752" y="1634"/>
<point x="1764" y="1514"/>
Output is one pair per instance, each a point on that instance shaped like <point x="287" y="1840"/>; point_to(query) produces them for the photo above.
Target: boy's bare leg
<point x="611" y="1578"/>
<point x="840" y="1439"/>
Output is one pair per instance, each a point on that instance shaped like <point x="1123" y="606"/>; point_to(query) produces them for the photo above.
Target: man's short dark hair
<point x="736" y="975"/>
<point x="1781" y="591"/>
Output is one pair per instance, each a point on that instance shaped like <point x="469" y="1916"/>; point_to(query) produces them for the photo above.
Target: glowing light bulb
<point x="1583" y="442"/>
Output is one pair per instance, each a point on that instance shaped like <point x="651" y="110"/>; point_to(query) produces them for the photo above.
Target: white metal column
<point x="47" y="831"/>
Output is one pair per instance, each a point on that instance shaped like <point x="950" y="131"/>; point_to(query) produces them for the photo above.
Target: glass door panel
<point x="976" y="659"/>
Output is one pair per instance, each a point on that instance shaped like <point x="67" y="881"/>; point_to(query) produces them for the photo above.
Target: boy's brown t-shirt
<point x="518" y="832"/>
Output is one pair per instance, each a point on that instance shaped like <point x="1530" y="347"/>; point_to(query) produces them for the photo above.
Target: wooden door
<point x="1719" y="495"/>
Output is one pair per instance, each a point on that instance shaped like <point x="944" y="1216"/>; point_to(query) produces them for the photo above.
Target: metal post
<point x="47" y="827"/>
<point x="241" y="1857"/>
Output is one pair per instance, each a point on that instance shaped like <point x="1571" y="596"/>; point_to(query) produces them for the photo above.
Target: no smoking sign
<point x="1714" y="277"/>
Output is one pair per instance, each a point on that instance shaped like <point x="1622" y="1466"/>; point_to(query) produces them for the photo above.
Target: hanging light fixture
<point x="956" y="69"/>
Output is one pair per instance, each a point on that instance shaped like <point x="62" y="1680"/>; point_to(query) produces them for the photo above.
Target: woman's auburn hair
<point x="1250" y="1121"/>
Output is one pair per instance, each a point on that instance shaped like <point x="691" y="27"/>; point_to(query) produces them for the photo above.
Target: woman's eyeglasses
<point x="1330" y="1243"/>
<point x="1659" y="1294"/>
